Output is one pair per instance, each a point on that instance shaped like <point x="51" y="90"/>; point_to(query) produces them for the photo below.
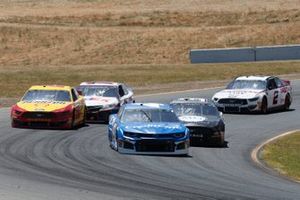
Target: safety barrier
<point x="246" y="54"/>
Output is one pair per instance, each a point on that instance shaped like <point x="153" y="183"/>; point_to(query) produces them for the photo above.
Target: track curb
<point x="255" y="154"/>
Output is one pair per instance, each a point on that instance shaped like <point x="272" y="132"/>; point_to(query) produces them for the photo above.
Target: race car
<point x="202" y="118"/>
<point x="49" y="106"/>
<point x="254" y="93"/>
<point x="148" y="128"/>
<point x="104" y="98"/>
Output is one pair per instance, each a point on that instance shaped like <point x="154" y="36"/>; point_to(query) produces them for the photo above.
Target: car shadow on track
<point x="97" y="122"/>
<point x="210" y="145"/>
<point x="162" y="155"/>
<point x="52" y="128"/>
<point x="275" y="111"/>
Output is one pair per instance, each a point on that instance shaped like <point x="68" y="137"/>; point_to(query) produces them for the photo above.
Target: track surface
<point x="52" y="164"/>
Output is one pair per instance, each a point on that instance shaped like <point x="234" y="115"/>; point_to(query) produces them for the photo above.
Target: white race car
<point x="104" y="98"/>
<point x="254" y="93"/>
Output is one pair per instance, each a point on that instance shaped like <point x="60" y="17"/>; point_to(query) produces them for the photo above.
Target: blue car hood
<point x="154" y="127"/>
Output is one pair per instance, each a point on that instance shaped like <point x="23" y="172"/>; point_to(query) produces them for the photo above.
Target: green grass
<point x="15" y="80"/>
<point x="283" y="155"/>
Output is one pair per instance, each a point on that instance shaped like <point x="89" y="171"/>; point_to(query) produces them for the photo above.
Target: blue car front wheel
<point x="114" y="142"/>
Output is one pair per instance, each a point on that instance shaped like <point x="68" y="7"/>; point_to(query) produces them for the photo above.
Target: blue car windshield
<point x="247" y="84"/>
<point x="99" y="91"/>
<point x="195" y="109"/>
<point x="47" y="95"/>
<point x="148" y="115"/>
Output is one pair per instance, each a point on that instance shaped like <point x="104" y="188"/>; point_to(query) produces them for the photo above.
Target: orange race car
<point x="49" y="106"/>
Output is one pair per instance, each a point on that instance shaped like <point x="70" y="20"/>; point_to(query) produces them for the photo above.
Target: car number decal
<point x="275" y="99"/>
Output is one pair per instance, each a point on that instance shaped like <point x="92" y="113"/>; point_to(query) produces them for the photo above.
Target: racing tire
<point x="221" y="142"/>
<point x="114" y="143"/>
<point x="287" y="102"/>
<point x="83" y="122"/>
<point x="264" y="106"/>
<point x="106" y="120"/>
<point x="72" y="125"/>
<point x="13" y="124"/>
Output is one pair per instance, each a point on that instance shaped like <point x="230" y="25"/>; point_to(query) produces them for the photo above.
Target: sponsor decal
<point x="39" y="109"/>
<point x="192" y="118"/>
<point x="45" y="102"/>
<point x="283" y="90"/>
<point x="154" y="126"/>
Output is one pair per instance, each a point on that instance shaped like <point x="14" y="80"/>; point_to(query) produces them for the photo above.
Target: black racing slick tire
<point x="287" y="102"/>
<point x="72" y="126"/>
<point x="264" y="106"/>
<point x="114" y="143"/>
<point x="84" y="118"/>
<point x="221" y="142"/>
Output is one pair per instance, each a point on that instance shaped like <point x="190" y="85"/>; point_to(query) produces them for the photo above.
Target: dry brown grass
<point x="57" y="46"/>
<point x="59" y="32"/>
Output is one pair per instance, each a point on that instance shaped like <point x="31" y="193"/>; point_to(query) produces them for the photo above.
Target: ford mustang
<point x="148" y="128"/>
<point x="254" y="93"/>
<point x="49" y="106"/>
<point x="104" y="98"/>
<point x="202" y="118"/>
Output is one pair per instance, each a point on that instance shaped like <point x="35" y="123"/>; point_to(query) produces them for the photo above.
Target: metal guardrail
<point x="246" y="54"/>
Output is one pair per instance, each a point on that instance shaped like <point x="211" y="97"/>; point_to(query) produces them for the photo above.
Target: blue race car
<point x="149" y="128"/>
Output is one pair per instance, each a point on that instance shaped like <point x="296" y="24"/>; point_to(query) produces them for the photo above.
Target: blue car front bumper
<point x="154" y="146"/>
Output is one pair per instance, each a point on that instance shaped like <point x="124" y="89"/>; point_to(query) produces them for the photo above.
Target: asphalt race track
<point x="52" y="164"/>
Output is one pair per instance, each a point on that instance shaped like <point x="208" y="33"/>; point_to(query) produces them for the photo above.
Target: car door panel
<point x="273" y="93"/>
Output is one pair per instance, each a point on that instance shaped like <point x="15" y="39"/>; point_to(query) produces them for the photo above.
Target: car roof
<point x="261" y="78"/>
<point x="100" y="83"/>
<point x="147" y="106"/>
<point x="50" y="87"/>
<point x="192" y="100"/>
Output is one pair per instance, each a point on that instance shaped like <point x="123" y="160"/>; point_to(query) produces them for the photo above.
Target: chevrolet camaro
<point x="202" y="118"/>
<point x="148" y="128"/>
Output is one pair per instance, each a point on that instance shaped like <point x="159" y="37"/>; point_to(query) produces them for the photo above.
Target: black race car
<point x="202" y="118"/>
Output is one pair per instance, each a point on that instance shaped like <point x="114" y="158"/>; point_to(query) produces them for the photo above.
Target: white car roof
<point x="105" y="83"/>
<point x="262" y="78"/>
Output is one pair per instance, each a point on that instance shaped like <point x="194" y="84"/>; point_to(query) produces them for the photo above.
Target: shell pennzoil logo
<point x="42" y="106"/>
